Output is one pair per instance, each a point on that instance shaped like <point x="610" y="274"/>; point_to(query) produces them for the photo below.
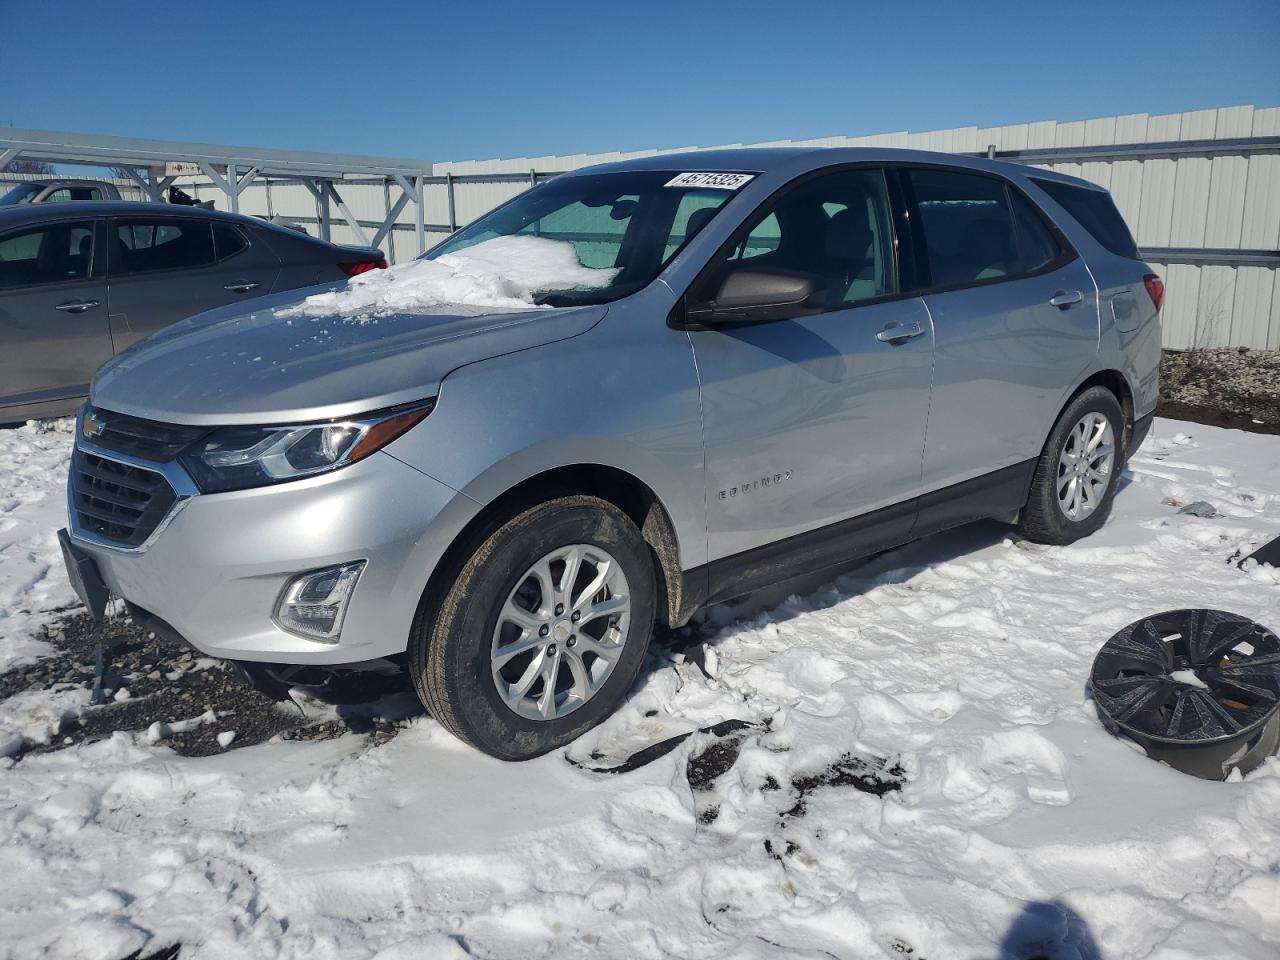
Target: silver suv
<point x="762" y="363"/>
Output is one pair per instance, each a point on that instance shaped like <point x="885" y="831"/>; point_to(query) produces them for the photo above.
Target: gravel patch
<point x="1237" y="388"/>
<point x="192" y="702"/>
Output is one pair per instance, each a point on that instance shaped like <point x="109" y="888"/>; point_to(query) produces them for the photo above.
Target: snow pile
<point x="504" y="272"/>
<point x="1020" y="828"/>
<point x="33" y="505"/>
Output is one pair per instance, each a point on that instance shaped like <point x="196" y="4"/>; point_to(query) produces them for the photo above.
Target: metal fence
<point x="1200" y="190"/>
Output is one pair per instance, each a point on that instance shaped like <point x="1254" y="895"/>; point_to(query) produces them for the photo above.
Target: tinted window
<point x="50" y="254"/>
<point x="146" y="245"/>
<point x="976" y="228"/>
<point x="835" y="227"/>
<point x="1097" y="213"/>
<point x="73" y="193"/>
<point x="22" y="193"/>
<point x="227" y="240"/>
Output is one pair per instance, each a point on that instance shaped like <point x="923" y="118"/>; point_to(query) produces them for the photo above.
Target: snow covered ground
<point x="1021" y="830"/>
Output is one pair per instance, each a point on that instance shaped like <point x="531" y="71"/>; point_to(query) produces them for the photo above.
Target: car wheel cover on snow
<point x="1085" y="465"/>
<point x="560" y="632"/>
<point x="1204" y="683"/>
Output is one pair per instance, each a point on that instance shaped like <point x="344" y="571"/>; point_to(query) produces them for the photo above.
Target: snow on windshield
<point x="503" y="272"/>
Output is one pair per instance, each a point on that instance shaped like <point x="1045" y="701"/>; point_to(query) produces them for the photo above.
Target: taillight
<point x="1155" y="289"/>
<point x="363" y="266"/>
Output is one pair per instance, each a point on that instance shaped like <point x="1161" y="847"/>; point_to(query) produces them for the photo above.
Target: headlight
<point x="233" y="458"/>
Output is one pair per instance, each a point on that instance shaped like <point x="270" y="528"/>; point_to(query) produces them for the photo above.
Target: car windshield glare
<point x="630" y="223"/>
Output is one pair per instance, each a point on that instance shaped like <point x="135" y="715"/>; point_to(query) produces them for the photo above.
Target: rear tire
<point x="1082" y="456"/>
<point x="507" y="597"/>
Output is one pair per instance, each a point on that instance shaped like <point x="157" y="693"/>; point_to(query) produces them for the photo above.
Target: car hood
<point x="228" y="367"/>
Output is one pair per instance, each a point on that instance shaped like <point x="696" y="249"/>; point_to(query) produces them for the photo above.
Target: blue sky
<point x="475" y="80"/>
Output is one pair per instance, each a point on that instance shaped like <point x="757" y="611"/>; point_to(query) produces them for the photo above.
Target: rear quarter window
<point x="1096" y="212"/>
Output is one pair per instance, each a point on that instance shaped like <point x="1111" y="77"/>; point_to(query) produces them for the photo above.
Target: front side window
<point x="144" y="246"/>
<point x="632" y="223"/>
<point x="52" y="254"/>
<point x="976" y="228"/>
<point x="834" y="229"/>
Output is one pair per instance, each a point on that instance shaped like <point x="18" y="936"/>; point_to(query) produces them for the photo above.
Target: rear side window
<point x="227" y="240"/>
<point x="1096" y="212"/>
<point x="977" y="229"/>
<point x="53" y="254"/>
<point x="144" y="246"/>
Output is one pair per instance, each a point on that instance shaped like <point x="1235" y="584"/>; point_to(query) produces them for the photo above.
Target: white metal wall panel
<point x="1225" y="202"/>
<point x="1251" y="311"/>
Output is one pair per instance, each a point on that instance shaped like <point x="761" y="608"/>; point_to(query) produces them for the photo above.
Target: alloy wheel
<point x="1085" y="465"/>
<point x="560" y="632"/>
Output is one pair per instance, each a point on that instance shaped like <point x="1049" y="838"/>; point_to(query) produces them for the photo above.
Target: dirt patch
<point x="158" y="683"/>
<point x="867" y="774"/>
<point x="1235" y="388"/>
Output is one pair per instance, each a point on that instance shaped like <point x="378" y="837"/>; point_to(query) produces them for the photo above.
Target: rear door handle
<point x="76" y="306"/>
<point x="1065" y="298"/>
<point x="241" y="286"/>
<point x="900" y="332"/>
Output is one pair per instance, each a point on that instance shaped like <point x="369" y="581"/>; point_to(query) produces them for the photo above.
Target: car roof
<point x="797" y="160"/>
<point x="77" y="209"/>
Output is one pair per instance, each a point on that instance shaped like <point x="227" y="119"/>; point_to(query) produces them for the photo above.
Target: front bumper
<point x="214" y="571"/>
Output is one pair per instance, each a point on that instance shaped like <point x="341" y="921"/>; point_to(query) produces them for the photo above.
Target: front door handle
<point x="900" y="332"/>
<point x="76" y="306"/>
<point x="1065" y="298"/>
<point x="241" y="286"/>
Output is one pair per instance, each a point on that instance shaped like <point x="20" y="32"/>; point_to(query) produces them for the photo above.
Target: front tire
<point x="1078" y="472"/>
<point x="543" y="631"/>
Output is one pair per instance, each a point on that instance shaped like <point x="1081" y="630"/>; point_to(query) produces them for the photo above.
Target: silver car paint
<point x="229" y="367"/>
<point x="688" y="414"/>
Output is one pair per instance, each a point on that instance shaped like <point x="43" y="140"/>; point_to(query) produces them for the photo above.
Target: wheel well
<point x="1114" y="381"/>
<point x="630" y="495"/>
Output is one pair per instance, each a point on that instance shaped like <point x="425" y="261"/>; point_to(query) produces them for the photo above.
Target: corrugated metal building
<point x="1192" y="213"/>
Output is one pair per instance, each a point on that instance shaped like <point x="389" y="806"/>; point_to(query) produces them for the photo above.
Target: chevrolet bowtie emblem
<point x="93" y="427"/>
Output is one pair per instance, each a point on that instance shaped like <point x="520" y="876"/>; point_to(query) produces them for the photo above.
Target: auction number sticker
<point x="716" y="181"/>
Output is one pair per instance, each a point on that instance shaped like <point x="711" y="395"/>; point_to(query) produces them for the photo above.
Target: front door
<point x="53" y="313"/>
<point x="818" y="418"/>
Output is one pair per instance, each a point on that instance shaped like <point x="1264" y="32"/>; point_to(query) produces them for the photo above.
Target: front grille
<point x="145" y="439"/>
<point x="117" y="502"/>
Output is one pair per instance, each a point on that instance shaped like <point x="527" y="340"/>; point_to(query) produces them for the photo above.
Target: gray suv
<point x="82" y="281"/>
<point x="796" y="357"/>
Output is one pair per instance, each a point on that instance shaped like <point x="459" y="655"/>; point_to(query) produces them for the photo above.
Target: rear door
<point x="1015" y="314"/>
<point x="53" y="312"/>
<point x="164" y="269"/>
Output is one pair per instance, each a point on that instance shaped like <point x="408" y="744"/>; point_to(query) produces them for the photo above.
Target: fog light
<point x="314" y="603"/>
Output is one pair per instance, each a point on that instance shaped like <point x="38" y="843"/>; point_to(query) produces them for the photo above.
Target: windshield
<point x="629" y="223"/>
<point x="22" y="193"/>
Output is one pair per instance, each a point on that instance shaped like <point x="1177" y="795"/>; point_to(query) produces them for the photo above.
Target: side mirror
<point x="756" y="296"/>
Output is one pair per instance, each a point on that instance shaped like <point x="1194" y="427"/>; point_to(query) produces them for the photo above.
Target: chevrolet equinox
<point x="795" y="357"/>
